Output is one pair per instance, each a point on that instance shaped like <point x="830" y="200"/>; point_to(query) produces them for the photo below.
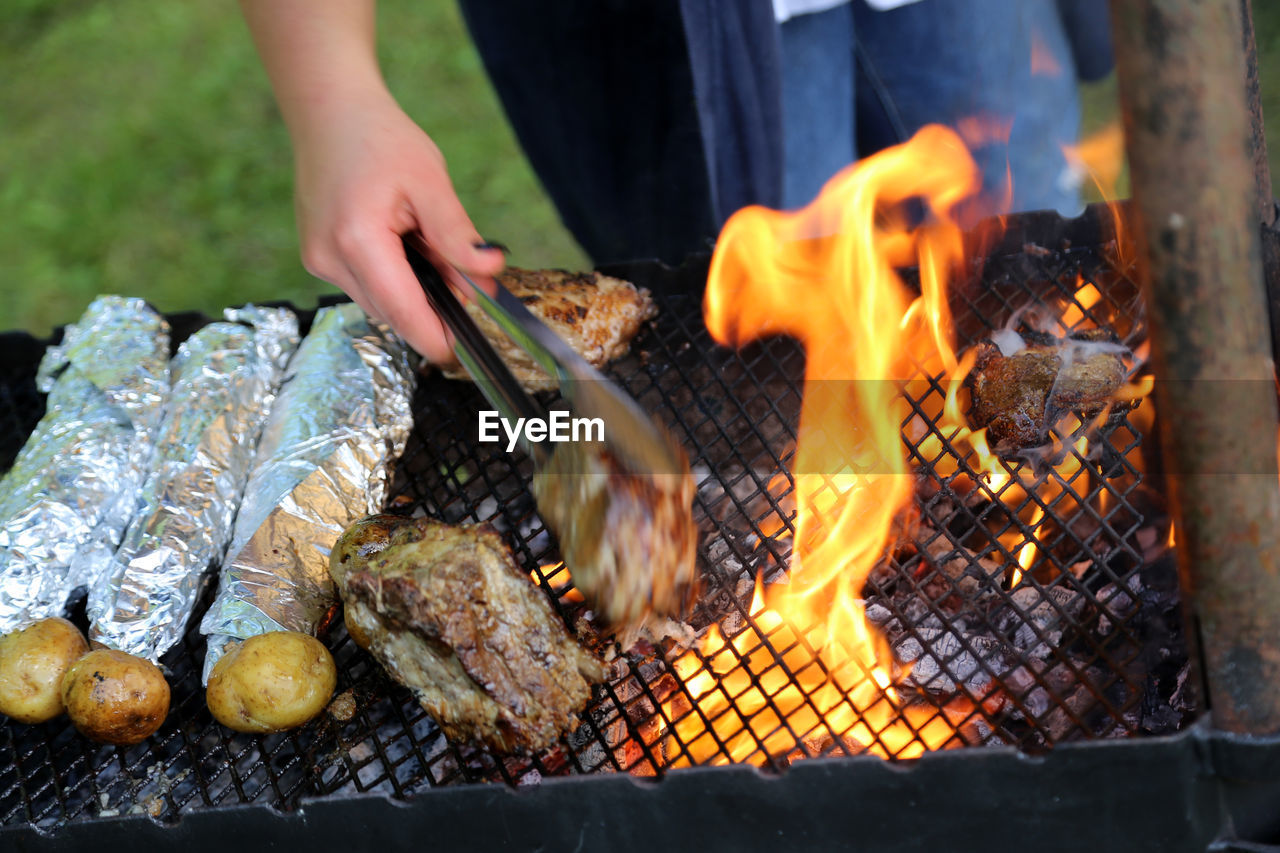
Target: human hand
<point x="364" y="177"/>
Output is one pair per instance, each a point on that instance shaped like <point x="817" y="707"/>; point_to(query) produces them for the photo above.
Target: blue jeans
<point x="854" y="79"/>
<point x="651" y="121"/>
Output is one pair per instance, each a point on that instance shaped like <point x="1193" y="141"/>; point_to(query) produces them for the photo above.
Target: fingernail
<point x="488" y="245"/>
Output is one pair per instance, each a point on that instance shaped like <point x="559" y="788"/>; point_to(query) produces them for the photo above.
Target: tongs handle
<point x="473" y="349"/>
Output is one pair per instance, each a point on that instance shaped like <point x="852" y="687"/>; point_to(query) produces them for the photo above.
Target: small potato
<point x="114" y="697"/>
<point x="32" y="663"/>
<point x="271" y="682"/>
<point x="356" y="631"/>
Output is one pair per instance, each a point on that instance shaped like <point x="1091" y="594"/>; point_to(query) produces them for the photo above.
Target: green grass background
<point x="141" y="152"/>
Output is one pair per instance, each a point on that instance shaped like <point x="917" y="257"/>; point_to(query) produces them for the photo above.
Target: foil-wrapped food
<point x="341" y="419"/>
<point x="74" y="485"/>
<point x="224" y="380"/>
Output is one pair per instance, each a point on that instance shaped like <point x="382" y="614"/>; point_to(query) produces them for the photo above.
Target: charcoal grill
<point x="736" y="414"/>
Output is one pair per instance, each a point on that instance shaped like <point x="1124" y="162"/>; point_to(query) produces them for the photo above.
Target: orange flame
<point x="826" y="275"/>
<point x="1027" y="555"/>
<point x="1100" y="156"/>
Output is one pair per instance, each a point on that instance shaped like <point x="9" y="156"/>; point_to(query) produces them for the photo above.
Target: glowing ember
<point x="558" y="580"/>
<point x="743" y="696"/>
<point x="1085" y="297"/>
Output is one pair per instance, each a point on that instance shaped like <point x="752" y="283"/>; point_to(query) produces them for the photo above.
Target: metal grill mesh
<point x="1065" y="654"/>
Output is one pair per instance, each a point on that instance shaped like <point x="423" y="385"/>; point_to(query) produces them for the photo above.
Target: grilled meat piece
<point x="597" y="315"/>
<point x="1020" y="396"/>
<point x="448" y="613"/>
<point x="629" y="540"/>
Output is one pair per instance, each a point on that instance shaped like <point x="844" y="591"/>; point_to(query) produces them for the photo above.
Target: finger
<point x="351" y="287"/>
<point x="341" y="276"/>
<point x="457" y="280"/>
<point x="444" y="224"/>
<point x="327" y="265"/>
<point x="378" y="262"/>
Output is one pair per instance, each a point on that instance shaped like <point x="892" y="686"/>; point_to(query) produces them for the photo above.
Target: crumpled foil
<point x="340" y="421"/>
<point x="225" y="378"/>
<point x="65" y="502"/>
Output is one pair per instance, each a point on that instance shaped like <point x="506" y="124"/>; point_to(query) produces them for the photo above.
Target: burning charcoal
<point x="981" y="732"/>
<point x="959" y="571"/>
<point x="1037" y="617"/>
<point x="723" y="558"/>
<point x="1047" y="685"/>
<point x="1060" y="721"/>
<point x="914" y="611"/>
<point x="1075" y="702"/>
<point x="1117" y="602"/>
<point x="734" y="494"/>
<point x="881" y="616"/>
<point x="942" y="661"/>
<point x="1023" y="383"/>
<point x="1019" y="683"/>
<point x="735" y="620"/>
<point x="1183" y="698"/>
<point x="1162" y="719"/>
<point x="1079" y="699"/>
<point x="822" y="744"/>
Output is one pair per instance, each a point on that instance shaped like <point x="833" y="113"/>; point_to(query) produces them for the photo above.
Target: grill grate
<point x="1086" y="646"/>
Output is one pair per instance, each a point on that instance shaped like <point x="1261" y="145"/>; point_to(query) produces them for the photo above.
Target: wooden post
<point x="1181" y="72"/>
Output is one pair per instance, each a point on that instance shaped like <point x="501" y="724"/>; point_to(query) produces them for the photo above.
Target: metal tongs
<point x="638" y="443"/>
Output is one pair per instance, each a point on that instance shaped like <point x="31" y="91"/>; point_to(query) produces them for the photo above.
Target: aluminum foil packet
<point x="65" y="502"/>
<point x="224" y="380"/>
<point x="340" y="422"/>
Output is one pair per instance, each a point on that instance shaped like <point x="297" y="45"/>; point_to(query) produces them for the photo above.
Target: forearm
<point x="365" y="173"/>
<point x="320" y="55"/>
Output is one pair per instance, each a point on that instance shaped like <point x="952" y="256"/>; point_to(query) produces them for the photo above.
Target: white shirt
<point x="784" y="10"/>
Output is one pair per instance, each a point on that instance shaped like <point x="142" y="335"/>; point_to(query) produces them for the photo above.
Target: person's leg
<point x="1088" y="27"/>
<point x="649" y="123"/>
<point x="733" y="48"/>
<point x="599" y="96"/>
<point x="999" y="61"/>
<point x="817" y="101"/>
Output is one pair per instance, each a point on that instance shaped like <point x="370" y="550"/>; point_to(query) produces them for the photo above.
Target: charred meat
<point x="1024" y="383"/>
<point x="597" y="315"/>
<point x="449" y="614"/>
<point x="629" y="540"/>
